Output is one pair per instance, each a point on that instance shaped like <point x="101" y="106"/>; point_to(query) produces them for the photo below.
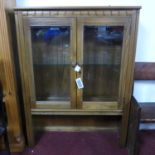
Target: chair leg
<point x="6" y="141"/>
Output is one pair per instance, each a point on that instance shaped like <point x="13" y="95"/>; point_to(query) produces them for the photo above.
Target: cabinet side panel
<point x="129" y="73"/>
<point x="25" y="81"/>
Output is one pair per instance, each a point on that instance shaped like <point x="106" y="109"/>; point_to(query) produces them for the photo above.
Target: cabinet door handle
<point x="77" y="68"/>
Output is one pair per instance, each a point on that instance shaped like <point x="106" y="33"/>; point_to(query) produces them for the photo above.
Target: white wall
<point x="146" y="40"/>
<point x="145" y="44"/>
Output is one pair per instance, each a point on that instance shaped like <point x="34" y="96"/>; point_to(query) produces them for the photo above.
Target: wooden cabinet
<point x="95" y="46"/>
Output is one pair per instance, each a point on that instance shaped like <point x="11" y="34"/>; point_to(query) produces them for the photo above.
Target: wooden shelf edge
<point x="75" y="112"/>
<point x="76" y="129"/>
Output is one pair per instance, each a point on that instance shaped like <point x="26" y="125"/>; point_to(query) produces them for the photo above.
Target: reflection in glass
<point x="51" y="59"/>
<point x="102" y="60"/>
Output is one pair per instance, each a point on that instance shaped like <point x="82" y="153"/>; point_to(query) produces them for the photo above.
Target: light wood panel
<point x="7" y="77"/>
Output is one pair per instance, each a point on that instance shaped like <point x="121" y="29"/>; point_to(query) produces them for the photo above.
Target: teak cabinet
<point x="95" y="46"/>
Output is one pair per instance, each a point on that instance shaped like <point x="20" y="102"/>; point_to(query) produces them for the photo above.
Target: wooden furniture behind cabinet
<point x="95" y="46"/>
<point x="142" y="115"/>
<point x="133" y="129"/>
<point x="8" y="78"/>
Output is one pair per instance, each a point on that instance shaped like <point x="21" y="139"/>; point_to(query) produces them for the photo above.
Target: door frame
<point x="49" y="21"/>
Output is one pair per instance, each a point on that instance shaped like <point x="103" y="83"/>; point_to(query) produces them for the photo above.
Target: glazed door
<point x="51" y="45"/>
<point x="102" y="44"/>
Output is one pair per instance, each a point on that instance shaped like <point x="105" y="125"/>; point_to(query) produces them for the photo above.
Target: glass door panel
<point x="101" y="46"/>
<point x="102" y="51"/>
<point x="51" y="62"/>
<point x="51" y="51"/>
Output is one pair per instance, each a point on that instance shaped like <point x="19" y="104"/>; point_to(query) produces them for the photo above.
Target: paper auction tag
<point x="79" y="83"/>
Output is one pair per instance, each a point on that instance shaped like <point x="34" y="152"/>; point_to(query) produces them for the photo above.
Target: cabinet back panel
<point x="75" y="123"/>
<point x="102" y="59"/>
<point x="51" y="59"/>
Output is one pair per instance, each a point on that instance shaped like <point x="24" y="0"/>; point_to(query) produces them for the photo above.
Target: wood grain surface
<point x="7" y="76"/>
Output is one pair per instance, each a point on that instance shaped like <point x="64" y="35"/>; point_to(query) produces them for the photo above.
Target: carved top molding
<point x="75" y="13"/>
<point x="78" y="11"/>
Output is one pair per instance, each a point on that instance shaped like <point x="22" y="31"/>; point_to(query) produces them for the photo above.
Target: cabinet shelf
<point x="76" y="112"/>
